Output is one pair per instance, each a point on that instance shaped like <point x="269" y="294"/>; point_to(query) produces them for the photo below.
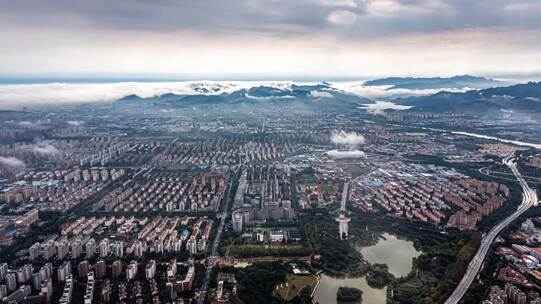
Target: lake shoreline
<point x="330" y="281"/>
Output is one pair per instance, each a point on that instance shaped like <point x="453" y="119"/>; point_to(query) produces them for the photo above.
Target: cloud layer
<point x="273" y="16"/>
<point x="229" y="39"/>
<point x="15" y="95"/>
<point x="45" y="149"/>
<point x="349" y="139"/>
<point x="379" y="107"/>
<point x="11" y="162"/>
<point x="57" y="93"/>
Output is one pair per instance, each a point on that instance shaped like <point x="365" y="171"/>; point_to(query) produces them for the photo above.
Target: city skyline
<point x="270" y="151"/>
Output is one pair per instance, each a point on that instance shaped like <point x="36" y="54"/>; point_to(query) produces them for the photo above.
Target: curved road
<point x="529" y="199"/>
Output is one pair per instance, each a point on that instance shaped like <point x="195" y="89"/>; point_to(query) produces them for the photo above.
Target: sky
<point x="269" y="39"/>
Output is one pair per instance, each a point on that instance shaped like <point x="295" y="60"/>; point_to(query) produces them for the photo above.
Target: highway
<point x="529" y="199"/>
<point x="486" y="171"/>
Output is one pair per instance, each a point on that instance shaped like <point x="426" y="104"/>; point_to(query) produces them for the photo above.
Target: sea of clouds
<point x="58" y="93"/>
<point x="14" y="95"/>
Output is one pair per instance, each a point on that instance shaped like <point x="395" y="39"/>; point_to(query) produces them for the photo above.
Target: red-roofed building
<point x="506" y="251"/>
<point x="508" y="274"/>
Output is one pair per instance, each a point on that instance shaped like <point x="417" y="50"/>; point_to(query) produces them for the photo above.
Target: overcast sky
<point x="264" y="39"/>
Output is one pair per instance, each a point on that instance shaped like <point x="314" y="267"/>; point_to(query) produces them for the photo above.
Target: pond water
<point x="328" y="286"/>
<point x="395" y="253"/>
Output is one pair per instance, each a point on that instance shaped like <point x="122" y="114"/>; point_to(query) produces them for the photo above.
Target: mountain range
<point x="317" y="95"/>
<point x="520" y="97"/>
<point x="442" y="83"/>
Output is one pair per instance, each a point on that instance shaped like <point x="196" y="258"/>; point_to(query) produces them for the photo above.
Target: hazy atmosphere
<point x="270" y="152"/>
<point x="262" y="39"/>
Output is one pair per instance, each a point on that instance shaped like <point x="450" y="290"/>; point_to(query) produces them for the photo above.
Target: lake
<point x="395" y="253"/>
<point x="328" y="286"/>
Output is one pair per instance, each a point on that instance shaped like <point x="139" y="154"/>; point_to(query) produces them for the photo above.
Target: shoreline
<point x="318" y="279"/>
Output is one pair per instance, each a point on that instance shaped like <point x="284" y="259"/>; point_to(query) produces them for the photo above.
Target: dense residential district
<point x="229" y="206"/>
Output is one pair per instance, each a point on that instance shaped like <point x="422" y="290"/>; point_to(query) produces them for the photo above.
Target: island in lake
<point x="349" y="295"/>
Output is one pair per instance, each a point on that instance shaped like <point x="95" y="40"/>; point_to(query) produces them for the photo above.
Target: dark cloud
<point x="166" y="15"/>
<point x="365" y="17"/>
<point x="234" y="38"/>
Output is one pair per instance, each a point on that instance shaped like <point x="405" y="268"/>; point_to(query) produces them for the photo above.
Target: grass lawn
<point x="294" y="285"/>
<point x="327" y="188"/>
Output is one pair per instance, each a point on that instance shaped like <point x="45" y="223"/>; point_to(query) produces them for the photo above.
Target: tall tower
<point x="343" y="223"/>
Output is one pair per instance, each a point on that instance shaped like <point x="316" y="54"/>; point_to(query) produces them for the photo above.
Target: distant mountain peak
<point x="520" y="97"/>
<point x="131" y="97"/>
<point x="283" y="94"/>
<point x="459" y="82"/>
